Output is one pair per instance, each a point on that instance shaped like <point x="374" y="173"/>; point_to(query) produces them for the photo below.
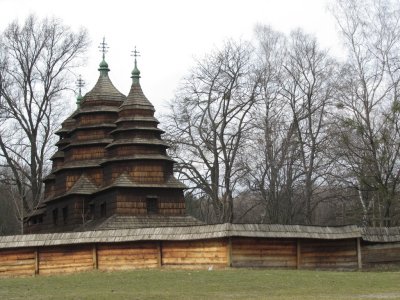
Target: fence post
<point x="94" y="257"/>
<point x="359" y="257"/>
<point x="159" y="253"/>
<point x="36" y="252"/>
<point x="298" y="253"/>
<point x="229" y="252"/>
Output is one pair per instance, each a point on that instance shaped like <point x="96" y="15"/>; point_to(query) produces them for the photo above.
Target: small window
<point x="152" y="205"/>
<point x="40" y="219"/>
<point x="65" y="214"/>
<point x="103" y="210"/>
<point x="91" y="211"/>
<point x="55" y="216"/>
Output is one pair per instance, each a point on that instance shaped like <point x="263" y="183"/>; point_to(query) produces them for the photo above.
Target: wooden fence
<point x="216" y="246"/>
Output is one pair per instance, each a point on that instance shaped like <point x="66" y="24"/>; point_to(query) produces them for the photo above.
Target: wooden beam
<point x="36" y="261"/>
<point x="229" y="252"/>
<point x="298" y="253"/>
<point x="94" y="257"/>
<point x="359" y="258"/>
<point x="159" y="254"/>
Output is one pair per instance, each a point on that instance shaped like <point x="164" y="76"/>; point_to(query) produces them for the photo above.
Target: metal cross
<point x="103" y="47"/>
<point x="80" y="83"/>
<point x="135" y="53"/>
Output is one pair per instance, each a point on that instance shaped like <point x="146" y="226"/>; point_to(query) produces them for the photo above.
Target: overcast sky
<point x="170" y="34"/>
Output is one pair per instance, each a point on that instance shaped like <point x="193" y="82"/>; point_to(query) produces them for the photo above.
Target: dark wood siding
<point x="381" y="255"/>
<point x="272" y="253"/>
<point x="329" y="254"/>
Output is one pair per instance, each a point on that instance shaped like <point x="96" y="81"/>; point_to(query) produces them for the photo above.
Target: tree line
<point x="277" y="130"/>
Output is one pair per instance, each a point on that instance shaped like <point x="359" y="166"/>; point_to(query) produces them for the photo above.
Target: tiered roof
<point x="111" y="142"/>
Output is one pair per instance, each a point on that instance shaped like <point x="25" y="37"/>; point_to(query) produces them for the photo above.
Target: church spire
<point x="79" y="83"/>
<point x="103" y="67"/>
<point x="135" y="73"/>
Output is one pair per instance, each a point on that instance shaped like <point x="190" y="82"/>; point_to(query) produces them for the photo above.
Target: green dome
<point x="135" y="71"/>
<point x="135" y="74"/>
<point x="104" y="66"/>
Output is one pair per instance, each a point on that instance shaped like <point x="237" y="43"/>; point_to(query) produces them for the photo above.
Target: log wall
<point x="271" y="253"/>
<point x="125" y="256"/>
<point x="380" y="255"/>
<point x="17" y="262"/>
<point x="204" y="253"/>
<point x="216" y="253"/>
<point x="328" y="254"/>
<point x="65" y="259"/>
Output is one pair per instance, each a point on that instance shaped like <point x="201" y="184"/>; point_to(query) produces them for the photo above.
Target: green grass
<point x="196" y="284"/>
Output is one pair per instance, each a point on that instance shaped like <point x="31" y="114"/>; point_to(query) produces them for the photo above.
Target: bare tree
<point x="208" y="123"/>
<point x="367" y="136"/>
<point x="271" y="155"/>
<point x="309" y="87"/>
<point x="35" y="64"/>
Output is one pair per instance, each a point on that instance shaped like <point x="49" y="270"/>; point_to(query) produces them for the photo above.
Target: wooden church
<point x="111" y="170"/>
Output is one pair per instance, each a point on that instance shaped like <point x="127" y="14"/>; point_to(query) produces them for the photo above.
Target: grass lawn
<point x="202" y="284"/>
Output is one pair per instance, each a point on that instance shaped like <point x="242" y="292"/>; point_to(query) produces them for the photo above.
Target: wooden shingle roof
<point x="137" y="118"/>
<point x="374" y="234"/>
<point x="137" y="141"/>
<point x="125" y="181"/>
<point x="104" y="90"/>
<point x="180" y="234"/>
<point x="136" y="99"/>
<point x="83" y="186"/>
<point x="145" y="221"/>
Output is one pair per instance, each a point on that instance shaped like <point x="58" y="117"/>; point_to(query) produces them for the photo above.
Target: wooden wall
<point x="17" y="262"/>
<point x="271" y="253"/>
<point x="328" y="254"/>
<point x="380" y="255"/>
<point x="64" y="259"/>
<point x="125" y="256"/>
<point x="216" y="253"/>
<point x="203" y="253"/>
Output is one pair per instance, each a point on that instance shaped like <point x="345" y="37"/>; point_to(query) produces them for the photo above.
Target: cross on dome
<point x="104" y="47"/>
<point x="135" y="73"/>
<point x="103" y="65"/>
<point x="79" y="83"/>
<point x="135" y="53"/>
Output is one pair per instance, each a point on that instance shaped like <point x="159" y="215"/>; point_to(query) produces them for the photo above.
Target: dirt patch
<point x="379" y="296"/>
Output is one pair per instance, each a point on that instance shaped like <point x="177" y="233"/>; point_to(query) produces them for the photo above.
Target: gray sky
<point x="170" y="34"/>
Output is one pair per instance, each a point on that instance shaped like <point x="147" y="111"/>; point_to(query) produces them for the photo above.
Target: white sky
<point x="170" y="33"/>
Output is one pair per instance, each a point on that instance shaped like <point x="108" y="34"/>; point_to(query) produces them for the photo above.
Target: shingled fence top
<point x="202" y="232"/>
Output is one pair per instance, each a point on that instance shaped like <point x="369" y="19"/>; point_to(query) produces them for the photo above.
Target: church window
<point x="91" y="211"/>
<point x="55" y="216"/>
<point x="103" y="210"/>
<point x="152" y="205"/>
<point x="65" y="214"/>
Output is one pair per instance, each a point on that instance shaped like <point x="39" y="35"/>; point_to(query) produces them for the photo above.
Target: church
<point x="111" y="169"/>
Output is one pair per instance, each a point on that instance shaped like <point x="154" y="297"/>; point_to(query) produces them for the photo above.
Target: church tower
<point x="111" y="170"/>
